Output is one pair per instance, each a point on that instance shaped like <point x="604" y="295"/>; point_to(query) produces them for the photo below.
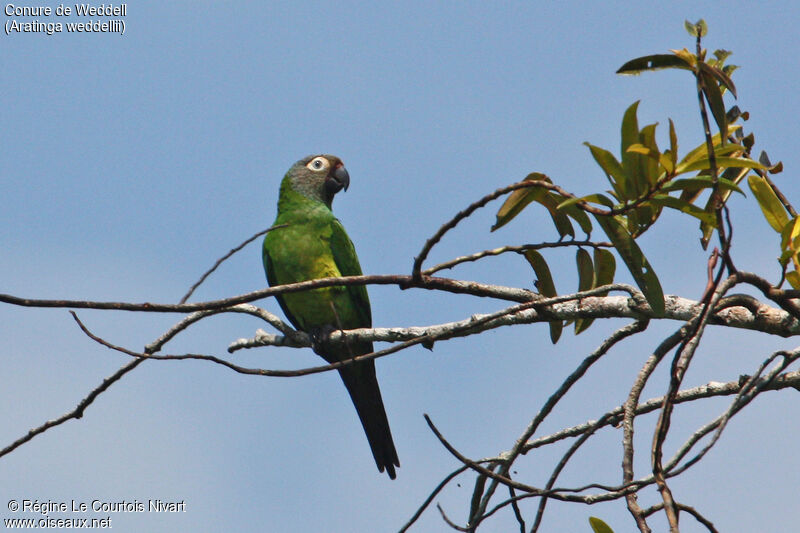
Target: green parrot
<point x="312" y="244"/>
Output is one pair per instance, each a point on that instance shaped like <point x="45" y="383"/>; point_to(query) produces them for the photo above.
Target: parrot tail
<point x="362" y="384"/>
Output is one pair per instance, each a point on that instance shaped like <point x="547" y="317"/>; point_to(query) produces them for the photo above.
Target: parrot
<point x="308" y="242"/>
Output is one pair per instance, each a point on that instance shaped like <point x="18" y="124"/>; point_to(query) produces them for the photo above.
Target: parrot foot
<point x="320" y="339"/>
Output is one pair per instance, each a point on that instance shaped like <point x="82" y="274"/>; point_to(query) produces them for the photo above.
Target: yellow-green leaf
<point x="667" y="162"/>
<point x="605" y="267"/>
<point x="722" y="162"/>
<point x="685" y="207"/>
<point x="794" y="279"/>
<point x="723" y="79"/>
<point x="699" y="183"/>
<point x="641" y="149"/>
<point x="732" y="175"/>
<point x="586" y="276"/>
<point x="634" y="259"/>
<point x="610" y="165"/>
<point x="598" y="198"/>
<point x="713" y="95"/>
<point x="790" y="235"/>
<point x="598" y="526"/>
<point x="519" y="199"/>
<point x="630" y="161"/>
<point x="560" y="218"/>
<point x="770" y="205"/>
<point x="545" y="286"/>
<point x="652" y="62"/>
<point x="698" y="29"/>
<point x="648" y="166"/>
<point x="689" y="58"/>
<point x="719" y="149"/>
<point x="577" y="214"/>
<point x="673" y="143"/>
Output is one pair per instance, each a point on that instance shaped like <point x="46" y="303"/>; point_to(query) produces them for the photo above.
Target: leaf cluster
<point x="646" y="179"/>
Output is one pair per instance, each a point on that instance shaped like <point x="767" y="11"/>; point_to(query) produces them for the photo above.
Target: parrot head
<point x="318" y="177"/>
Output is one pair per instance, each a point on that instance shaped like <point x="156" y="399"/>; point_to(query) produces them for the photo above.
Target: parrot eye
<point x="318" y="163"/>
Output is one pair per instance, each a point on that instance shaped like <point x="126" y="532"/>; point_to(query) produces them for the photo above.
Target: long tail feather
<point x="362" y="384"/>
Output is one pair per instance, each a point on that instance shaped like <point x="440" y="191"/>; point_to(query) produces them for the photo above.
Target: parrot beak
<point x="337" y="180"/>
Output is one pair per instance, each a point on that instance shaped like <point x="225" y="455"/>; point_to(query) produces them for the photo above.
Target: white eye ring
<point x="318" y="163"/>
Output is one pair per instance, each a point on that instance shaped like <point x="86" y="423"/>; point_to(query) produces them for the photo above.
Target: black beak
<point x="337" y="180"/>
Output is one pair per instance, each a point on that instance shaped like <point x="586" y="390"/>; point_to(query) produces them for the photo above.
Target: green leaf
<point x="579" y="215"/>
<point x="652" y="62"/>
<point x="673" y="143"/>
<point x="770" y="205"/>
<point x="722" y="55"/>
<point x="793" y="278"/>
<point x="648" y="167"/>
<point x="667" y="162"/>
<point x="610" y="165"/>
<point x="598" y="526"/>
<point x="790" y="236"/>
<point x="722" y="162"/>
<point x="605" y="267"/>
<point x="586" y="276"/>
<point x="634" y="259"/>
<point x="519" y="199"/>
<point x="687" y="57"/>
<point x="642" y="149"/>
<point x="685" y="207"/>
<point x="560" y="218"/>
<point x="698" y="29"/>
<point x="719" y="149"/>
<point x="598" y="198"/>
<point x="714" y="97"/>
<point x="545" y="286"/>
<point x="723" y="79"/>
<point x="630" y="161"/>
<point x="731" y="175"/>
<point x="699" y="183"/>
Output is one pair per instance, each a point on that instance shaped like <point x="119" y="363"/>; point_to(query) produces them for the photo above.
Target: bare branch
<point x="749" y="388"/>
<point x="551" y="402"/>
<point x="629" y="411"/>
<point x="431" y="283"/>
<point x="739" y="311"/>
<point x="789" y="380"/>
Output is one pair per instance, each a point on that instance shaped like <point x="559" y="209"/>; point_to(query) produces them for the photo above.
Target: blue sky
<point x="131" y="162"/>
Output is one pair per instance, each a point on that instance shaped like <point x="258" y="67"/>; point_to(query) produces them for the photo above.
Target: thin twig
<point x="448" y="521"/>
<point x="475" y="465"/>
<point x="431" y="496"/>
<point x="226" y="256"/>
<point x="629" y="412"/>
<point x="521" y="249"/>
<point x="464" y="213"/>
<point x="78" y="411"/>
<point x="551" y="402"/>
<point x="691" y="510"/>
